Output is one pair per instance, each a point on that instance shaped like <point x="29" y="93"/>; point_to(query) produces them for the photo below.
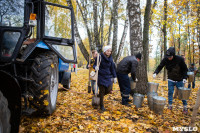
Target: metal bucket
<point x="150" y="99"/>
<point x="190" y="76"/>
<point x="184" y="93"/>
<point x="152" y="87"/>
<point x="133" y="84"/>
<point x="158" y="104"/>
<point x="95" y="101"/>
<point x="138" y="100"/>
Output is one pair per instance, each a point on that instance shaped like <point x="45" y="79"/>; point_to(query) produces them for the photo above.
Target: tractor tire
<point x="67" y="86"/>
<point x="44" y="72"/>
<point x="5" y="126"/>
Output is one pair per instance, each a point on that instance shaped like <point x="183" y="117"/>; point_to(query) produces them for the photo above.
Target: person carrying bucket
<point x="106" y="72"/>
<point x="192" y="68"/>
<point x="127" y="65"/>
<point x="177" y="74"/>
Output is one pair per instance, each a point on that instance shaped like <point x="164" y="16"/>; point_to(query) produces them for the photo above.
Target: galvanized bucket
<point x="190" y="76"/>
<point x="184" y="93"/>
<point x="158" y="104"/>
<point x="150" y="99"/>
<point x="95" y="101"/>
<point x="152" y="87"/>
<point x="138" y="100"/>
<point x="133" y="84"/>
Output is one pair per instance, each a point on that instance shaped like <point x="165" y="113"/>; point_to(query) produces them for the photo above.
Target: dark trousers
<point x="103" y="91"/>
<point x="125" y="88"/>
<point x="193" y="84"/>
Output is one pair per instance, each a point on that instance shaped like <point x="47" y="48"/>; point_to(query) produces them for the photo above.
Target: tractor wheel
<point x="4" y="115"/>
<point x="67" y="86"/>
<point x="44" y="72"/>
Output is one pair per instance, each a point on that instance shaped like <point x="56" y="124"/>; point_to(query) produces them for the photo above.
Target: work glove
<point x="115" y="80"/>
<point x="154" y="75"/>
<point x="184" y="81"/>
<point x="96" y="68"/>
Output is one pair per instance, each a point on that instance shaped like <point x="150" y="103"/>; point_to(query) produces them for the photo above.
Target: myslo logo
<point x="185" y="129"/>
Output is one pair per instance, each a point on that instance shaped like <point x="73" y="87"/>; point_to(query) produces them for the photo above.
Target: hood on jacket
<point x="170" y="52"/>
<point x="107" y="58"/>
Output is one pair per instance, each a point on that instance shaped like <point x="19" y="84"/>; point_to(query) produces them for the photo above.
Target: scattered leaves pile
<point x="75" y="113"/>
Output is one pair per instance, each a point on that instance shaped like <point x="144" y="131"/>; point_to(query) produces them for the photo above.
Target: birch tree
<point x="122" y="42"/>
<point x="115" y="28"/>
<point x="165" y="36"/>
<point x="146" y="35"/>
<point x="78" y="37"/>
<point x="136" y="42"/>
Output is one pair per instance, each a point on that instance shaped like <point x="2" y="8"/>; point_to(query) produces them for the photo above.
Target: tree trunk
<point x="193" y="50"/>
<point x="189" y="52"/>
<point x="115" y="28"/>
<point x="161" y="45"/>
<point x="136" y="42"/>
<point x="179" y="41"/>
<point x="95" y="17"/>
<point x="110" y="27"/>
<point x="195" y="110"/>
<point x="165" y="36"/>
<point x="198" y="29"/>
<point x="146" y="37"/>
<point x="78" y="38"/>
<point x="84" y="15"/>
<point x="189" y="55"/>
<point x="102" y="22"/>
<point x="122" y="42"/>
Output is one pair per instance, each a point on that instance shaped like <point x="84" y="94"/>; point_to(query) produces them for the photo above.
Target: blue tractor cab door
<point x="60" y="40"/>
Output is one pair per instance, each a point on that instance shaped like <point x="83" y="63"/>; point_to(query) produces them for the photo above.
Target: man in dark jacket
<point x="127" y="65"/>
<point x="177" y="74"/>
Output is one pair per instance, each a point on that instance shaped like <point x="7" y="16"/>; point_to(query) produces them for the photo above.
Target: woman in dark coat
<point x="106" y="72"/>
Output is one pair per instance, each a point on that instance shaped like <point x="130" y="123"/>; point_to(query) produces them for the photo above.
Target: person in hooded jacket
<point x="105" y="73"/>
<point x="177" y="74"/>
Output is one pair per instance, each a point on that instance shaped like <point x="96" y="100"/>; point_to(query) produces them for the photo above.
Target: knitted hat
<point x="106" y="48"/>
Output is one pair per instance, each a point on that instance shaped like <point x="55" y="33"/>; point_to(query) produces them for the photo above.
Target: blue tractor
<point x="36" y="45"/>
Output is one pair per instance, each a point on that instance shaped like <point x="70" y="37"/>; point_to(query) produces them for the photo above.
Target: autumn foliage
<point x="75" y="113"/>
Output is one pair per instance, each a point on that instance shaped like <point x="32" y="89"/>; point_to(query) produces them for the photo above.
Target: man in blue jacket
<point x="177" y="74"/>
<point x="127" y="65"/>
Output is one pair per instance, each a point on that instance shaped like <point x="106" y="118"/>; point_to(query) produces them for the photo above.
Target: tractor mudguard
<point x="12" y="91"/>
<point x="63" y="66"/>
<point x="42" y="45"/>
<point x="65" y="78"/>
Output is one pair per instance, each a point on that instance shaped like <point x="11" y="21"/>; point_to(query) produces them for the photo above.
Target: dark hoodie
<point x="176" y="68"/>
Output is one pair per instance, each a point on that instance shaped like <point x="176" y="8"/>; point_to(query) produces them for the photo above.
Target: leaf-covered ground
<point x="75" y="113"/>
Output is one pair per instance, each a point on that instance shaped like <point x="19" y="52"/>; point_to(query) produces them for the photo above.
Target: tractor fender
<point x="66" y="76"/>
<point x="12" y="91"/>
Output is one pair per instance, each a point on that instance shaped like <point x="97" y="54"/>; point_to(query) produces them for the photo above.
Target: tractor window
<point x="66" y="51"/>
<point x="58" y="22"/>
<point x="9" y="42"/>
<point x="60" y="2"/>
<point x="12" y="13"/>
